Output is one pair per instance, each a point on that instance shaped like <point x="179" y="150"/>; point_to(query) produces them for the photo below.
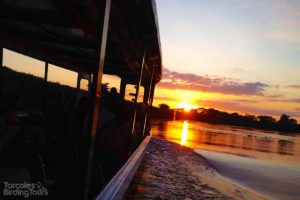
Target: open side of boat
<point x="91" y="38"/>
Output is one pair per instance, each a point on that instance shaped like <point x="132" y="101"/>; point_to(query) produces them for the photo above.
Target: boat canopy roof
<point x="67" y="33"/>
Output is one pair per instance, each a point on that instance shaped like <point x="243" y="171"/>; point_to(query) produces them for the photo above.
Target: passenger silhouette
<point x="113" y="98"/>
<point x="117" y="134"/>
<point x="56" y="119"/>
<point x="71" y="112"/>
<point x="80" y="118"/>
<point x="9" y="122"/>
<point x="10" y="108"/>
<point x="2" y="113"/>
<point x="108" y="109"/>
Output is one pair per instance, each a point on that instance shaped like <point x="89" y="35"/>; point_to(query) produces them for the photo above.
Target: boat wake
<point x="255" y="175"/>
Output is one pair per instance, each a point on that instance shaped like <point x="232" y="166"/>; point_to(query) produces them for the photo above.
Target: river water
<point x="265" y="162"/>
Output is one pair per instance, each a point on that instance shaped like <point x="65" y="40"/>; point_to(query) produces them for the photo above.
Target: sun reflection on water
<point x="233" y="140"/>
<point x="184" y="133"/>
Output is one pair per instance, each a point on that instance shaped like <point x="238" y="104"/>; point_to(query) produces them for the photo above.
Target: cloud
<point x="295" y="100"/>
<point x="279" y="98"/>
<point x="286" y="36"/>
<point x="293" y="86"/>
<point x="246" y="101"/>
<point x="164" y="98"/>
<point x="238" y="69"/>
<point x="234" y="106"/>
<point x="187" y="81"/>
<point x="291" y="100"/>
<point x="275" y="96"/>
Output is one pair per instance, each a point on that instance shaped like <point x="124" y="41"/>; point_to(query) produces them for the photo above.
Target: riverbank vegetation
<point x="211" y="115"/>
<point x="33" y="90"/>
<point x="25" y="84"/>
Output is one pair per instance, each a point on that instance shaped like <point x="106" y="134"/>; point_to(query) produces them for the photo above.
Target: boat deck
<point x="164" y="174"/>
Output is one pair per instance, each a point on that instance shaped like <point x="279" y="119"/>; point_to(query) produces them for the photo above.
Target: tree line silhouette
<point x="32" y="91"/>
<point x="211" y="115"/>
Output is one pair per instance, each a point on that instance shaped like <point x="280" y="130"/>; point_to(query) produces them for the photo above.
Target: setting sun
<point x="187" y="107"/>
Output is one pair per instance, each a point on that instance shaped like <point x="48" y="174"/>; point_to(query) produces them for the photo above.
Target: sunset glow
<point x="150" y="99"/>
<point x="235" y="57"/>
<point x="187" y="107"/>
<point x="241" y="57"/>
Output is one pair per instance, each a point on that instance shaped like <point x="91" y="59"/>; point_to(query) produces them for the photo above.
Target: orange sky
<point x="236" y="56"/>
<point x="175" y="98"/>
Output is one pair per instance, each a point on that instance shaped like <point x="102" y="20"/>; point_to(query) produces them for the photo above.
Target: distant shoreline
<point x="285" y="125"/>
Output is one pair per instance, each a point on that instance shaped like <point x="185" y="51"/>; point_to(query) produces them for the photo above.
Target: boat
<point x="91" y="38"/>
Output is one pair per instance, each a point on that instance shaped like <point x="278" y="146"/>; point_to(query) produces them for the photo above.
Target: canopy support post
<point x="147" y="101"/>
<point x="1" y="57"/>
<point x="44" y="100"/>
<point x="78" y="82"/>
<point x="122" y="88"/>
<point x="90" y="83"/>
<point x="46" y="72"/>
<point x="96" y="92"/>
<point x="146" y="92"/>
<point x="137" y="92"/>
<point x="152" y="94"/>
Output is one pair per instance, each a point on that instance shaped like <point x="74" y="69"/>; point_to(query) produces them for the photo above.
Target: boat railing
<point x="118" y="185"/>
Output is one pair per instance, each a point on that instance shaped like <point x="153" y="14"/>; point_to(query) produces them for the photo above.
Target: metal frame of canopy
<point x="61" y="33"/>
<point x="116" y="37"/>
